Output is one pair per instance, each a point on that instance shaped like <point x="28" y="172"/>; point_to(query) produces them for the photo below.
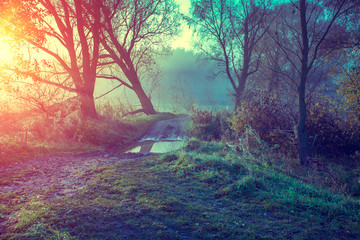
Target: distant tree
<point x="230" y="33"/>
<point x="69" y="33"/>
<point x="310" y="30"/>
<point x="133" y="32"/>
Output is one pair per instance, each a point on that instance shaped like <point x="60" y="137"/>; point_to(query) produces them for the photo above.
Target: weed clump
<point x="245" y="187"/>
<point x="168" y="157"/>
<point x="206" y="125"/>
<point x="193" y="143"/>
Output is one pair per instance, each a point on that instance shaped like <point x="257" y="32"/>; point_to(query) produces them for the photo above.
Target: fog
<point x="183" y="81"/>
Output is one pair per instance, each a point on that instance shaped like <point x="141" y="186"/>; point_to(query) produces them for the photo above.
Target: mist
<point x="184" y="81"/>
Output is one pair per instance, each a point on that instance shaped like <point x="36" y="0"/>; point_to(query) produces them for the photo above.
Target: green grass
<point x="205" y="193"/>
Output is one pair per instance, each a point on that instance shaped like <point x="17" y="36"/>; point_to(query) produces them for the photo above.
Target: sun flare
<point x="7" y="52"/>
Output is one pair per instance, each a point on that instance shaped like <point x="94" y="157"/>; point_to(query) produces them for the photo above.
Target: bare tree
<point x="69" y="33"/>
<point x="132" y="33"/>
<point x="230" y="33"/>
<point x="38" y="96"/>
<point x="305" y="36"/>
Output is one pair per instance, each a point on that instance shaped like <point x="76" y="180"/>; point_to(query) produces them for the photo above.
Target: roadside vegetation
<point x="264" y="130"/>
<point x="203" y="191"/>
<point x="28" y="134"/>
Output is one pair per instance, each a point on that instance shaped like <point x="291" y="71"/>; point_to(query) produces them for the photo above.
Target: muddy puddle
<point x="164" y="136"/>
<point x="157" y="147"/>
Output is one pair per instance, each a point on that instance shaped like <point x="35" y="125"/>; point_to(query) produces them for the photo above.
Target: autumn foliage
<point x="331" y="134"/>
<point x="270" y="119"/>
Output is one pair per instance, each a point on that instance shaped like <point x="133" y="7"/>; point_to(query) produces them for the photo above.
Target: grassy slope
<point x="207" y="193"/>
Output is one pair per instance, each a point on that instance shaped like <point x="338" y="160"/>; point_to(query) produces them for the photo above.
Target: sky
<point x="185" y="39"/>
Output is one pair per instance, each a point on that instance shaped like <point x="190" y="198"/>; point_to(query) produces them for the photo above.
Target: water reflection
<point x="157" y="147"/>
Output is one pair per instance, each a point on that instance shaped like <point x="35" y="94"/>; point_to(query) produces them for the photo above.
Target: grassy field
<point x="204" y="191"/>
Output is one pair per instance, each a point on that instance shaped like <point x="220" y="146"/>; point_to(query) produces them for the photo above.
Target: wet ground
<point x="164" y="136"/>
<point x="64" y="175"/>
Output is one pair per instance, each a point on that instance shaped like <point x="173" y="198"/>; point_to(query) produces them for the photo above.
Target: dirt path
<point x="167" y="130"/>
<point x="163" y="136"/>
<point x="57" y="175"/>
<point x="60" y="176"/>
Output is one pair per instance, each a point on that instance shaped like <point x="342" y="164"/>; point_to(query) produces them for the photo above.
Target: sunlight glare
<point x="185" y="40"/>
<point x="6" y="52"/>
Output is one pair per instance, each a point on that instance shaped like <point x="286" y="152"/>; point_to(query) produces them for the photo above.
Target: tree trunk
<point x="237" y="99"/>
<point x="145" y="102"/>
<point x="303" y="144"/>
<point x="87" y="107"/>
<point x="240" y="90"/>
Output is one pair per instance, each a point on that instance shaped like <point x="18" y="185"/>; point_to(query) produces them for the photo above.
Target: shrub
<point x="111" y="110"/>
<point x="351" y="179"/>
<point x="206" y="125"/>
<point x="202" y="117"/>
<point x="329" y="133"/>
<point x="223" y="129"/>
<point x="193" y="143"/>
<point x="103" y="133"/>
<point x="271" y="120"/>
<point x="201" y="125"/>
<point x="47" y="128"/>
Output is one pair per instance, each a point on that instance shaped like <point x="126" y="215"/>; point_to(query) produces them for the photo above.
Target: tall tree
<point x="70" y="35"/>
<point x="230" y="33"/>
<point x="310" y="31"/>
<point x="132" y="33"/>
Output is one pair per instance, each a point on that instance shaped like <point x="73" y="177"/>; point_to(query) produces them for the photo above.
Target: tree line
<point x="249" y="41"/>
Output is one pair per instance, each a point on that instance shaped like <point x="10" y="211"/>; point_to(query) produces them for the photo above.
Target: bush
<point x="47" y="129"/>
<point x="223" y="129"/>
<point x="351" y="179"/>
<point x="329" y="133"/>
<point x="202" y="117"/>
<point x="271" y="120"/>
<point x="207" y="126"/>
<point x="201" y="125"/>
<point x="193" y="143"/>
<point x="102" y="133"/>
